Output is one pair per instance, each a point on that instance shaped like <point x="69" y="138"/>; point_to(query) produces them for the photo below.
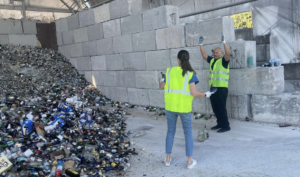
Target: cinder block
<point x="138" y="96"/>
<point x="114" y="62"/>
<point x="158" y="60"/>
<point x="262" y="81"/>
<point x="161" y="17"/>
<point x="84" y="63"/>
<point x="283" y="108"/>
<point x="86" y="18"/>
<point x="199" y="105"/>
<point x="291" y="86"/>
<point x="122" y="44"/>
<point x="73" y="22"/>
<point x="4" y="39"/>
<point x="95" y="32"/>
<point x="101" y="13"/>
<point x="29" y="27"/>
<point x="68" y="37"/>
<point x="172" y="37"/>
<point x="195" y="60"/>
<point x="144" y="41"/>
<point x="10" y="27"/>
<point x="147" y="79"/>
<point x="91" y="76"/>
<point x="105" y="46"/>
<point x="80" y="35"/>
<point x="89" y="48"/>
<point x="108" y="78"/>
<point x="23" y="39"/>
<point x="239" y="106"/>
<point x="126" y="79"/>
<point x="59" y="38"/>
<point x="65" y="50"/>
<point x="76" y="50"/>
<point x="132" y="24"/>
<point x="73" y="61"/>
<point x="156" y="98"/>
<point x="61" y="25"/>
<point x="242" y="54"/>
<point x="211" y="31"/>
<point x="98" y="62"/>
<point x="104" y="90"/>
<point x="134" y="61"/>
<point x="112" y="28"/>
<point x="118" y="94"/>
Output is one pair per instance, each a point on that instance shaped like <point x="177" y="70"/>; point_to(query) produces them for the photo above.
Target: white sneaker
<point x="190" y="166"/>
<point x="167" y="163"/>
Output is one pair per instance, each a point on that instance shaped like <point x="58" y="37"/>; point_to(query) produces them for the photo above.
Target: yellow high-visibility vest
<point x="218" y="76"/>
<point x="178" y="97"/>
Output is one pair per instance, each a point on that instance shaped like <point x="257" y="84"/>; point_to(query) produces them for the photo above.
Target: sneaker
<point x="222" y="130"/>
<point x="167" y="163"/>
<point x="190" y="166"/>
<point x="215" y="127"/>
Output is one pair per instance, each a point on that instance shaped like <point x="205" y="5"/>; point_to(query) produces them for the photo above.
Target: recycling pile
<point x="51" y="120"/>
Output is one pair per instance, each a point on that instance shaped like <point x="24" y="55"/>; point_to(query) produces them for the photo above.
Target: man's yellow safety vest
<point x="218" y="76"/>
<point x="178" y="97"/>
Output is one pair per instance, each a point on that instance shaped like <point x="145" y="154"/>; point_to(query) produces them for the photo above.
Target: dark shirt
<point x="224" y="62"/>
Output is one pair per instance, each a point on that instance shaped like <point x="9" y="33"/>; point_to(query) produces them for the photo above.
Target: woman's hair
<point x="184" y="58"/>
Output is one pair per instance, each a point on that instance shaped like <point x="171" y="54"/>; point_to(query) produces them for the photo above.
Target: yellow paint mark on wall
<point x="242" y="20"/>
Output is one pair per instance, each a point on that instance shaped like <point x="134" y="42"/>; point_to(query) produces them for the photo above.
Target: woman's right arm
<point x="194" y="91"/>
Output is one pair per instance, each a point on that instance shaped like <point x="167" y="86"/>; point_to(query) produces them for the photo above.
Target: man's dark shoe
<point x="223" y="130"/>
<point x="215" y="127"/>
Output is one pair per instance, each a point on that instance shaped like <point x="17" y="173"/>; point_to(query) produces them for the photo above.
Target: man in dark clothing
<point x="218" y="78"/>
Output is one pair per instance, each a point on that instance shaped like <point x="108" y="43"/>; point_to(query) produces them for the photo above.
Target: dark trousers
<point x="218" y="104"/>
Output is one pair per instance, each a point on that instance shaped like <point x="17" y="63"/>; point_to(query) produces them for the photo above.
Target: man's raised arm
<point x="227" y="51"/>
<point x="203" y="52"/>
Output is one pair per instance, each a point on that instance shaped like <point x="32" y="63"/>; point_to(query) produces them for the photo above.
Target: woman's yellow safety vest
<point x="178" y="97"/>
<point x="218" y="76"/>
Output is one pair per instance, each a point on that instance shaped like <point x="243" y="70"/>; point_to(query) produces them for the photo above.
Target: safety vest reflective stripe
<point x="183" y="91"/>
<point x="222" y="79"/>
<point x="219" y="72"/>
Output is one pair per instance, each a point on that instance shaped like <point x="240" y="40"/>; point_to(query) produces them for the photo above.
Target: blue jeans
<point x="186" y="119"/>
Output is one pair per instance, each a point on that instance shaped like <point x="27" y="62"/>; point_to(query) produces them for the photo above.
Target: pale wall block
<point x="4" y="39"/>
<point x="156" y="98"/>
<point x="104" y="90"/>
<point x="91" y="76"/>
<point x="59" y="38"/>
<point x="101" y="13"/>
<point x="68" y="37"/>
<point x="161" y="17"/>
<point x="144" y="41"/>
<point x="283" y="108"/>
<point x="134" y="61"/>
<point x="84" y="64"/>
<point x="119" y="94"/>
<point x="195" y="60"/>
<point x="112" y="28"/>
<point x="132" y="24"/>
<point x="95" y="32"/>
<point x="98" y="62"/>
<point x="147" y="79"/>
<point x="76" y="50"/>
<point x="73" y="22"/>
<point x="105" y="46"/>
<point x="172" y="37"/>
<point x="158" y="60"/>
<point x="210" y="30"/>
<point x="126" y="79"/>
<point x="80" y="35"/>
<point x="239" y="106"/>
<point x="86" y="18"/>
<point x="107" y="78"/>
<point x="114" y="62"/>
<point x="122" y="44"/>
<point x="89" y="48"/>
<point x="22" y="39"/>
<point x="61" y="25"/>
<point x="138" y="96"/>
<point x="29" y="27"/>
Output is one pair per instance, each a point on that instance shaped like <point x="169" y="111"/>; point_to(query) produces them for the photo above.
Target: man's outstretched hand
<point x="201" y="40"/>
<point x="223" y="38"/>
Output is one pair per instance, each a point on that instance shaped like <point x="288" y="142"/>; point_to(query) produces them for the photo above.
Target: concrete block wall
<point x="124" y="52"/>
<point x="16" y="32"/>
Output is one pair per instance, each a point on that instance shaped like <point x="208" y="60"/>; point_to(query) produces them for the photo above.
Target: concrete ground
<point x="249" y="150"/>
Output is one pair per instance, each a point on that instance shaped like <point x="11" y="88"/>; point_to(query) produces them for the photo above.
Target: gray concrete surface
<point x="249" y="150"/>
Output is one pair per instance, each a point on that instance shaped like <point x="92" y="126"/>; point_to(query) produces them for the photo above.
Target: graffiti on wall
<point x="242" y="20"/>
